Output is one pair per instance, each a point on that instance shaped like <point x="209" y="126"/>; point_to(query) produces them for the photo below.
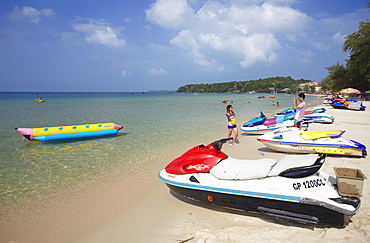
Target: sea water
<point x="154" y="124"/>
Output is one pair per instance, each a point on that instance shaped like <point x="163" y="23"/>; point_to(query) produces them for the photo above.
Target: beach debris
<point x="183" y="241"/>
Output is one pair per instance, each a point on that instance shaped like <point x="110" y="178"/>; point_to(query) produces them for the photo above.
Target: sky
<point x="143" y="45"/>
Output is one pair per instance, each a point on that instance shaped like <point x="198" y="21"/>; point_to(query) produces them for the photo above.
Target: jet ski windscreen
<point x="218" y="144"/>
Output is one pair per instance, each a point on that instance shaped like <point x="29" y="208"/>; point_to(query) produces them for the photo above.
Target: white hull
<point x="289" y="140"/>
<point x="319" y="118"/>
<point x="311" y="149"/>
<point x="257" y="185"/>
<point x="262" y="129"/>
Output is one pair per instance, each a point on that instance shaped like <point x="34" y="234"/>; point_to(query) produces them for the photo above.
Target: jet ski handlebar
<point x="218" y="144"/>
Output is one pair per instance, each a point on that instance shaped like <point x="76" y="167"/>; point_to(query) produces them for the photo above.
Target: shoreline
<point x="144" y="210"/>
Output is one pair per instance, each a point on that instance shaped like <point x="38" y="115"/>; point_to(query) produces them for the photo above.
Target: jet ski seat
<point x="292" y="166"/>
<point x="320" y="134"/>
<point x="297" y="165"/>
<point x="237" y="169"/>
<point x="270" y="121"/>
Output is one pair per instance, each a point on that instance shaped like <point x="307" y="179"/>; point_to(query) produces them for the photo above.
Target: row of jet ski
<point x="344" y="103"/>
<point x="285" y="118"/>
<point x="284" y="137"/>
<point x="292" y="188"/>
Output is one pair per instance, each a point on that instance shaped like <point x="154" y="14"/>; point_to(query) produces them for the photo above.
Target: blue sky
<point x="121" y="45"/>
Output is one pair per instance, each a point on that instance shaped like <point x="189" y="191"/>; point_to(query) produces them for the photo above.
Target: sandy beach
<point x="144" y="210"/>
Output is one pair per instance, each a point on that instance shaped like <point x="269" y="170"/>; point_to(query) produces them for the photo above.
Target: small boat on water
<point x="47" y="134"/>
<point x="39" y="98"/>
<point x="292" y="188"/>
<point x="293" y="140"/>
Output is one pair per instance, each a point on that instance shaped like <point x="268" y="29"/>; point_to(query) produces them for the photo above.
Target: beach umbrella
<point x="350" y="91"/>
<point x="367" y="92"/>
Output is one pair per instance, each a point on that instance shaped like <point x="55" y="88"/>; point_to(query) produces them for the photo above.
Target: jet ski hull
<point x="309" y="148"/>
<point x="348" y="105"/>
<point x="289" y="140"/>
<point x="290" y="208"/>
<point x="318" y="118"/>
<point x="262" y="129"/>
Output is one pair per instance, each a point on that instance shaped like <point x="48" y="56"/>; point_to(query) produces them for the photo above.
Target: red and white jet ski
<point x="292" y="188"/>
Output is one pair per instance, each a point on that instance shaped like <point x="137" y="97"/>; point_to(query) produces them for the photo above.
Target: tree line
<point x="266" y="85"/>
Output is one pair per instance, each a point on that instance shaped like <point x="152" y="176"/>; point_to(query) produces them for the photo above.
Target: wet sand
<point x="144" y="210"/>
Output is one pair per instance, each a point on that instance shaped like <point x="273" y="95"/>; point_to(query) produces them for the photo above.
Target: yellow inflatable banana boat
<point x="46" y="134"/>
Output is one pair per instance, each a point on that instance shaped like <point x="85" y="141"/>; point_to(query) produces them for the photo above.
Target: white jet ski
<point x="261" y="124"/>
<point x="292" y="188"/>
<point x="318" y="118"/>
<point x="318" y="115"/>
<point x="293" y="140"/>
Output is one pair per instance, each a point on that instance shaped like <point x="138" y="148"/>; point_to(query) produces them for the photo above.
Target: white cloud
<point x="148" y="27"/>
<point x="105" y="36"/>
<point x="306" y="56"/>
<point x="268" y="18"/>
<point x="292" y="37"/>
<point x="221" y="31"/>
<point x="338" y="38"/>
<point x="300" y="54"/>
<point x="31" y="13"/>
<point x="156" y="72"/>
<point x="126" y="73"/>
<point x="319" y="45"/>
<point x="256" y="48"/>
<point x="170" y="13"/>
<point x="99" y="32"/>
<point x="158" y="47"/>
<point x="187" y="41"/>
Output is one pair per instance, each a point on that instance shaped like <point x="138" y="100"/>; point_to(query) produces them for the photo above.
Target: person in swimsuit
<point x="231" y="124"/>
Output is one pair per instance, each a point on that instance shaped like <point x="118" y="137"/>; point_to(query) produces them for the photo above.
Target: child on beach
<point x="301" y="108"/>
<point x="231" y="124"/>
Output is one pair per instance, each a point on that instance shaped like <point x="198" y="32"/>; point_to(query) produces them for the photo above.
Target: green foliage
<point x="356" y="73"/>
<point x="358" y="64"/>
<point x="337" y="78"/>
<point x="266" y="85"/>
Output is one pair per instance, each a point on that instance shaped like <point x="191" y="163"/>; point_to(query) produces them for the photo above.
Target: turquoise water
<point x="154" y="124"/>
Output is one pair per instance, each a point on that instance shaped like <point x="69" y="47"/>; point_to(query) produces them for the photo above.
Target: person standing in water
<point x="300" y="109"/>
<point x="231" y="124"/>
